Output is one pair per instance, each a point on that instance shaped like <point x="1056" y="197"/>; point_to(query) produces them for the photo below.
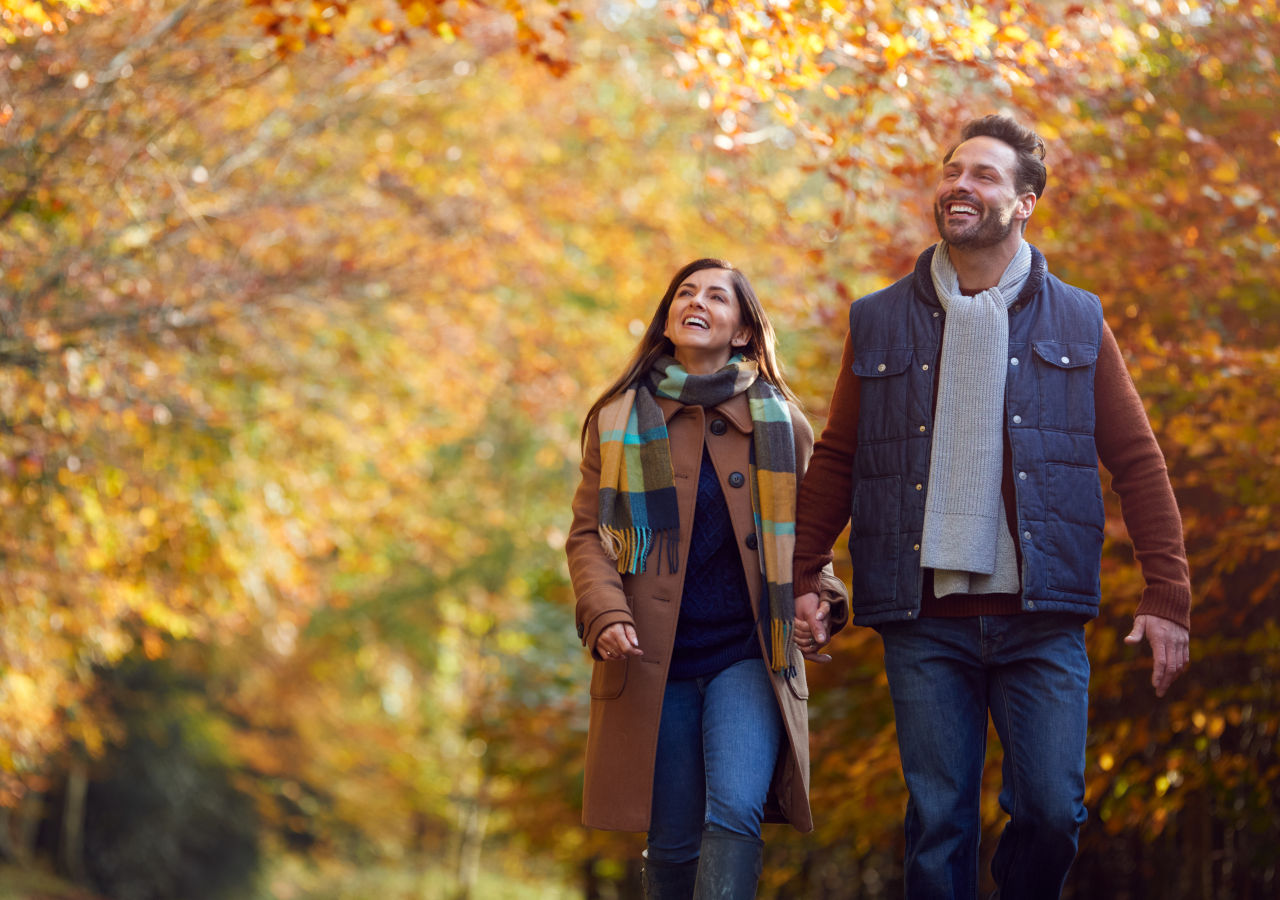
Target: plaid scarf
<point x="638" y="508"/>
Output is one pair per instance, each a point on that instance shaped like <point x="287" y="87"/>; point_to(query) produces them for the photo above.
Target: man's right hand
<point x="810" y="626"/>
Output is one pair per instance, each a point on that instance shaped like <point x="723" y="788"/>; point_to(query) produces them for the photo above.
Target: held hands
<point x="1170" y="648"/>
<point x="810" y="627"/>
<point x="617" y="642"/>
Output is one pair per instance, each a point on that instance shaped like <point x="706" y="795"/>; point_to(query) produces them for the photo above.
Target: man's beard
<point x="986" y="232"/>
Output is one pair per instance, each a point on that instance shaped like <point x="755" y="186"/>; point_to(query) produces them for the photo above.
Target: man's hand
<point x="1170" y="648"/>
<point x="810" y="626"/>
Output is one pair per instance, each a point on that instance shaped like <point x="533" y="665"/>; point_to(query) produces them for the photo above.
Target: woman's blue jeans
<point x="717" y="747"/>
<point x="1031" y="672"/>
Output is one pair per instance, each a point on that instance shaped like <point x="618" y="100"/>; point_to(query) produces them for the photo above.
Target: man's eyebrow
<point x="977" y="167"/>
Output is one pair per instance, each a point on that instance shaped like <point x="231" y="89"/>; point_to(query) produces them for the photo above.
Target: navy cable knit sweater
<point x="715" y="629"/>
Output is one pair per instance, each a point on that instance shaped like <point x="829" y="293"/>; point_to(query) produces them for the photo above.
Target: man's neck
<point x="981" y="268"/>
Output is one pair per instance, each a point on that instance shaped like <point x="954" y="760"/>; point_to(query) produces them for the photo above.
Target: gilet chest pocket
<point x="885" y="393"/>
<point x="1064" y="380"/>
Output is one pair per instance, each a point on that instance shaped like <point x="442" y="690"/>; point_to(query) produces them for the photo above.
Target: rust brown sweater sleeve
<point x="1128" y="448"/>
<point x="823" y="508"/>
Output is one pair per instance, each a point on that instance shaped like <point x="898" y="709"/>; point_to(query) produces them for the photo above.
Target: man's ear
<point x="1026" y="205"/>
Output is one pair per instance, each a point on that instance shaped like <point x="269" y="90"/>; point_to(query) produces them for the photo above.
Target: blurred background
<point x="301" y="304"/>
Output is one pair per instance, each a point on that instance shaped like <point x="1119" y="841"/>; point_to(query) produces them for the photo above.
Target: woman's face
<point x="705" y="322"/>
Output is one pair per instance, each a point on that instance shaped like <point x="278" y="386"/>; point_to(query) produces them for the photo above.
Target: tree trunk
<point x="18" y="828"/>
<point x="72" y="848"/>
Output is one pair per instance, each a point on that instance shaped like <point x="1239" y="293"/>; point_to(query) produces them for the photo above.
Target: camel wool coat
<point x="627" y="694"/>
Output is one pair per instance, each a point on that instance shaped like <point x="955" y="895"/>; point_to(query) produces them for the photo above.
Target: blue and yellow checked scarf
<point x="638" y="509"/>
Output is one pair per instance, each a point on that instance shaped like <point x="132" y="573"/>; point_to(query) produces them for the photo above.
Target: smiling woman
<point x="704" y="323"/>
<point x="680" y="555"/>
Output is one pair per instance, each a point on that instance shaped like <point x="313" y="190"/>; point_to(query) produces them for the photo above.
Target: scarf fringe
<point x="630" y="547"/>
<point x="779" y="636"/>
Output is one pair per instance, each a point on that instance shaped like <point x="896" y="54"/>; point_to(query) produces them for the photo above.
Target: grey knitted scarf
<point x="966" y="537"/>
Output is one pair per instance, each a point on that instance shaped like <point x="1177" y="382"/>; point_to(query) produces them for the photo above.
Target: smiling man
<point x="975" y="399"/>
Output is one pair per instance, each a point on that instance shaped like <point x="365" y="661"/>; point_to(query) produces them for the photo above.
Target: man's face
<point x="976" y="204"/>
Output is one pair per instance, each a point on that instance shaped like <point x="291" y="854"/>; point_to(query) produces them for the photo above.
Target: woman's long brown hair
<point x="654" y="344"/>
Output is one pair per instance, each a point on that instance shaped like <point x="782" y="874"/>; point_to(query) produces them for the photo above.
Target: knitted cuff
<point x="1167" y="601"/>
<point x="807" y="576"/>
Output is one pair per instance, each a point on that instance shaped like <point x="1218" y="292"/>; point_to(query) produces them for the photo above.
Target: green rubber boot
<point x="729" y="867"/>
<point x="668" y="881"/>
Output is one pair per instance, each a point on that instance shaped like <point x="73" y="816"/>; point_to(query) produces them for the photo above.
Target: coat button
<point x="581" y="631"/>
<point x="752" y="543"/>
<point x="1017" y="420"/>
<point x="1014" y="361"/>
<point x="736" y="479"/>
<point x="718" y="426"/>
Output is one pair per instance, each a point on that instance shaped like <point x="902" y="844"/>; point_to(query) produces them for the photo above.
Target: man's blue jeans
<point x="1031" y="672"/>
<point x="717" y="747"/>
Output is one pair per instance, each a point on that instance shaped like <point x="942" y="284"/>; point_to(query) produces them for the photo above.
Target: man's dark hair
<point x="1031" y="174"/>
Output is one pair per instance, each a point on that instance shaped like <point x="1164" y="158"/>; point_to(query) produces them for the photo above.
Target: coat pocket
<point x="608" y="678"/>
<point x="798" y="683"/>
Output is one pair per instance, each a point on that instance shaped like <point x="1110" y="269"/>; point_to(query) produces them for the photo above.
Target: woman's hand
<point x="618" y="641"/>
<point x="810" y="627"/>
